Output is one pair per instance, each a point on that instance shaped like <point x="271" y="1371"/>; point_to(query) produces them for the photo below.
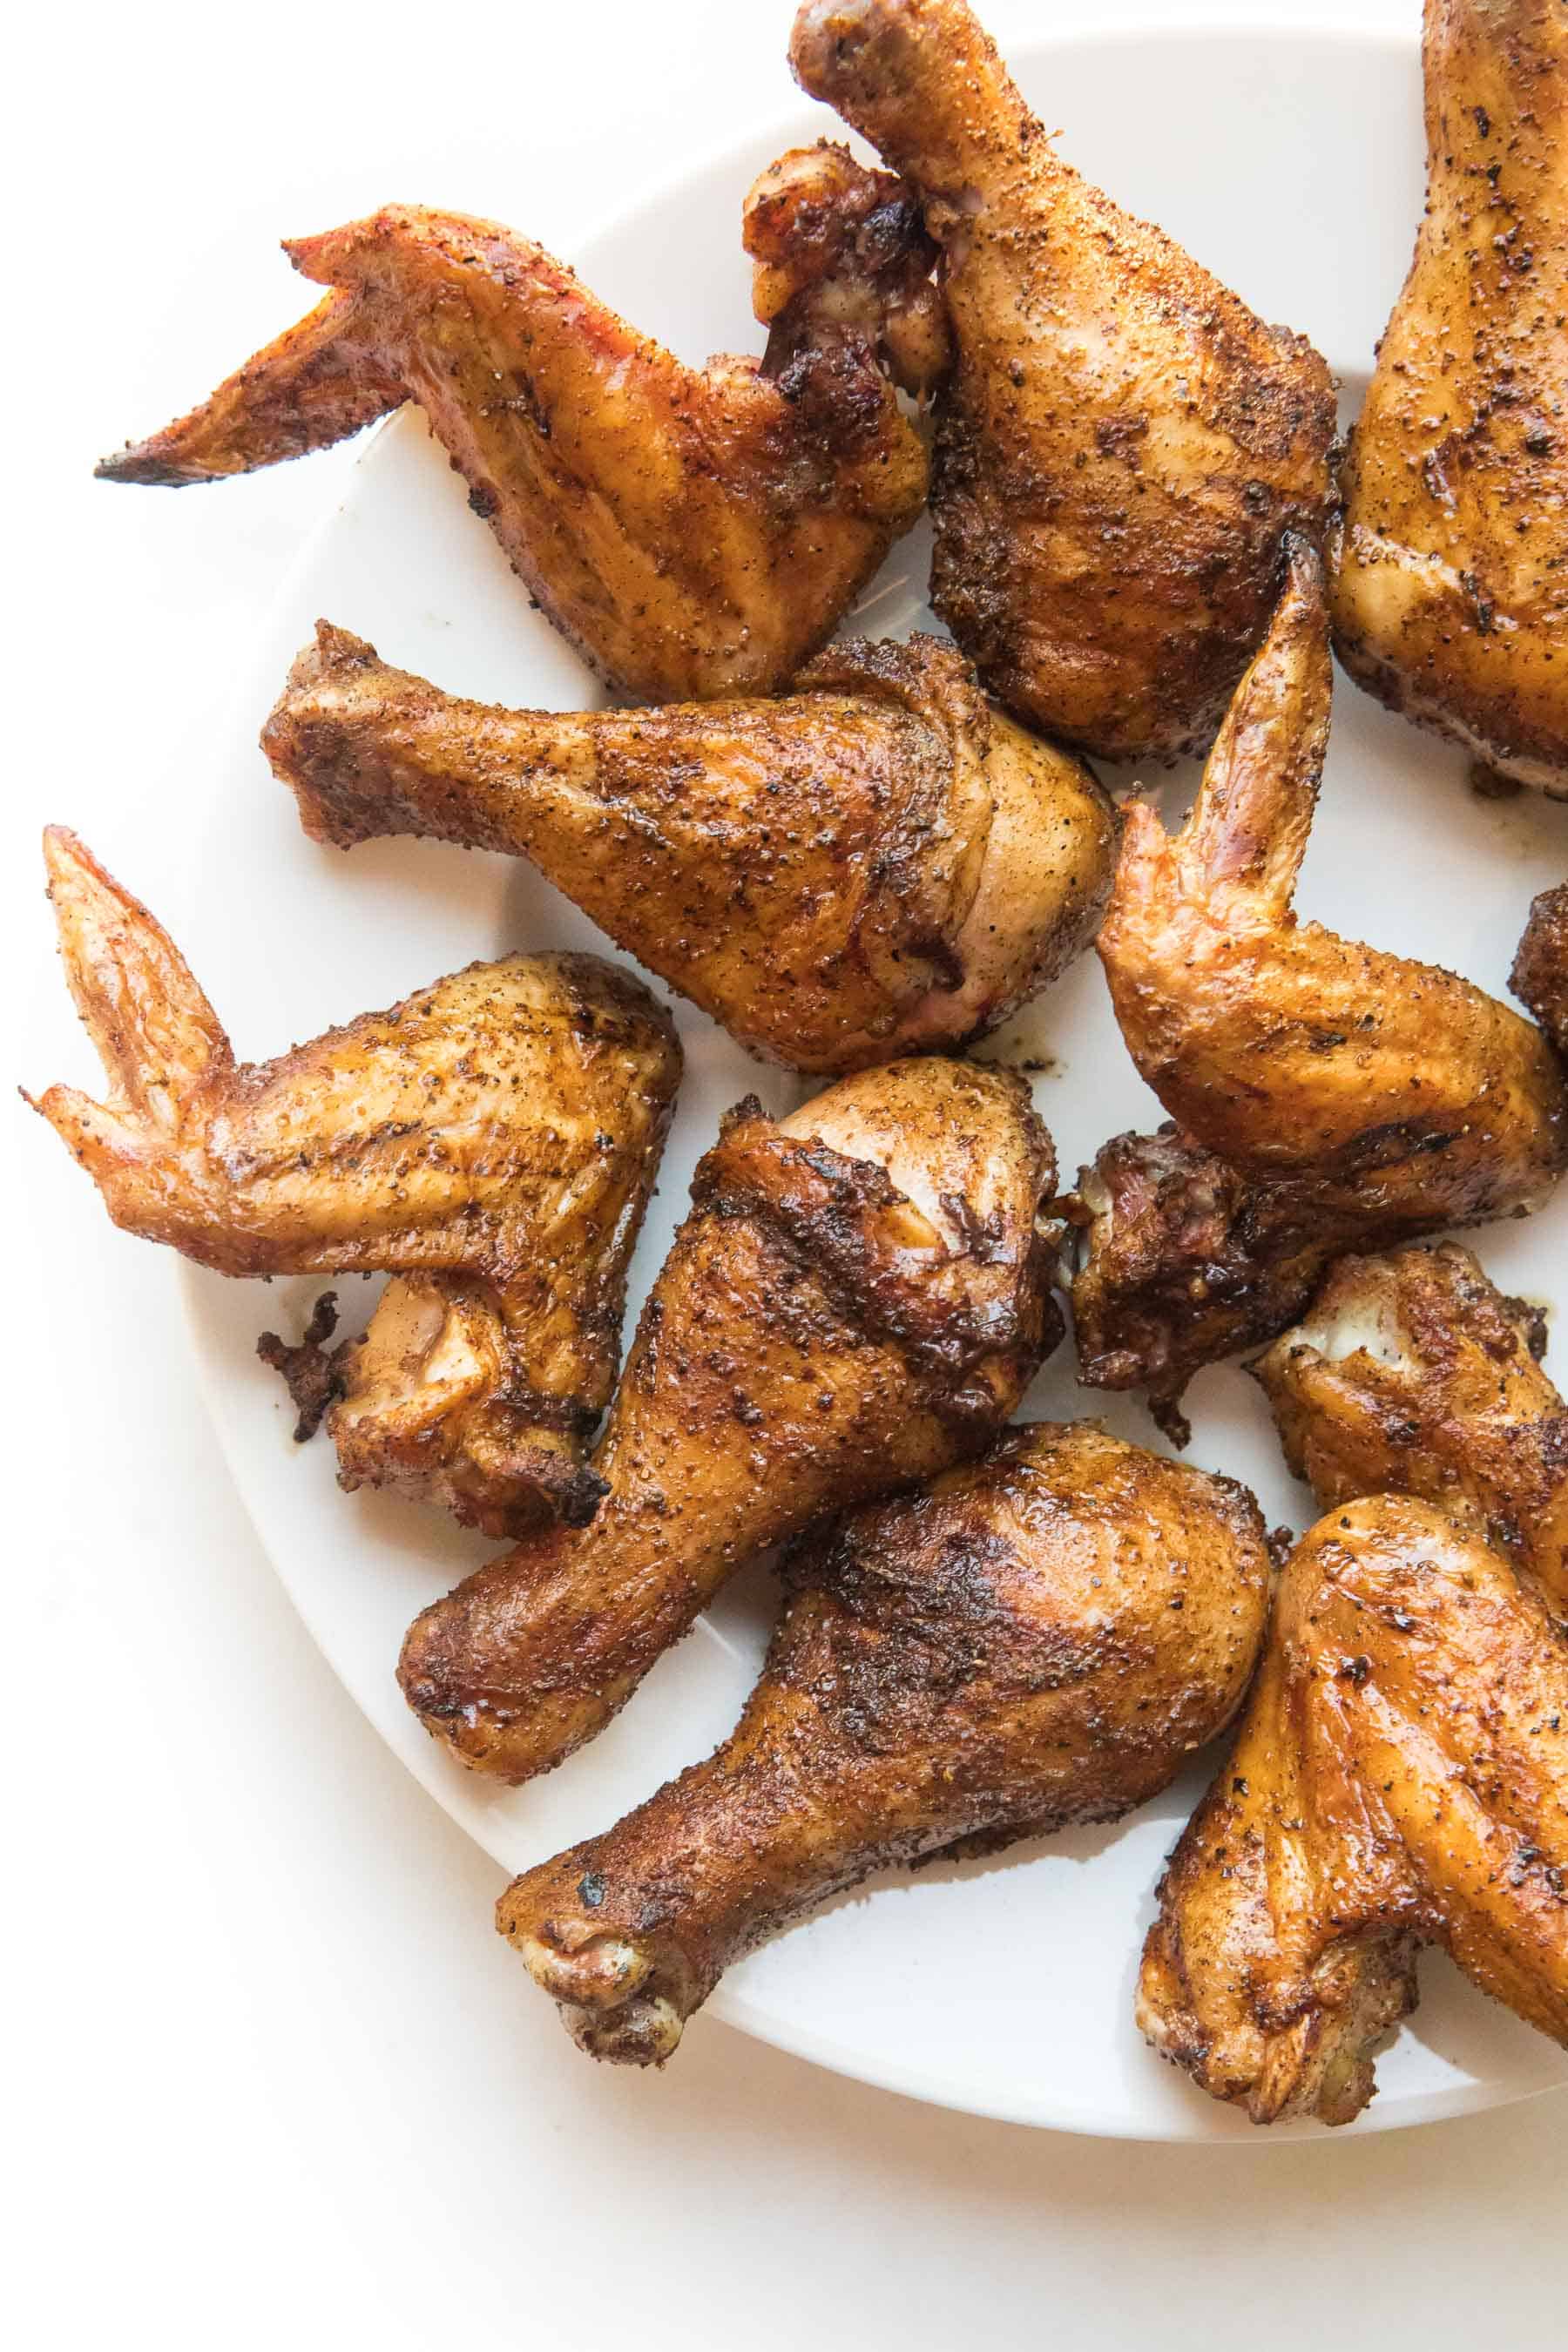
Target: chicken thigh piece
<point x="1039" y="1639"/>
<point x="1398" y="1091"/>
<point x="1540" y="978"/>
<point x="691" y="532"/>
<point x="1414" y="1375"/>
<point x="1120" y="443"/>
<point x="1450" y="568"/>
<point x="878" y="862"/>
<point x="857" y="1299"/>
<point x="1400" y="1778"/>
<point x="491" y="1141"/>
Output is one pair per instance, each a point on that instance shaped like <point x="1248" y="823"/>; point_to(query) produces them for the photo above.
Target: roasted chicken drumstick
<point x="692" y="531"/>
<point x="1393" y="1089"/>
<point x="1121" y="443"/>
<point x="1400" y="1778"/>
<point x="491" y="1141"/>
<point x="877" y="862"/>
<point x="857" y="1299"/>
<point x="1040" y="1638"/>
<point x="1414" y="1375"/>
<point x="1450" y="570"/>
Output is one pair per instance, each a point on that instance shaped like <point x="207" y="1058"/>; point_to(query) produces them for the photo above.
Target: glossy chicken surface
<point x="857" y="1299"/>
<point x="1039" y="1639"/>
<point x="1400" y="1778"/>
<point x="491" y="1141"/>
<point x="1414" y="1375"/>
<point x="1398" y="1091"/>
<point x="1121" y="443"/>
<point x="878" y="862"/>
<point x="1540" y="977"/>
<point x="692" y="531"/>
<point x="1450" y="592"/>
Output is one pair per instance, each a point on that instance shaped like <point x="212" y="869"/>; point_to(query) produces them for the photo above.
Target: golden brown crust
<point x="1109" y="500"/>
<point x="818" y="1334"/>
<point x="491" y="1141"/>
<point x="1402" y="1094"/>
<point x="876" y="862"/>
<point x="1400" y="1778"/>
<point x="691" y="532"/>
<point x="1039" y="1639"/>
<point x="1414" y="1375"/>
<point x="1450" y="597"/>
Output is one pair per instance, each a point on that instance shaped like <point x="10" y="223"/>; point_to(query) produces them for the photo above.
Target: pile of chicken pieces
<point x="858" y="857"/>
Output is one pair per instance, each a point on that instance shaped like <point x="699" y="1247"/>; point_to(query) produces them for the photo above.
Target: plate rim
<point x="1215" y="2125"/>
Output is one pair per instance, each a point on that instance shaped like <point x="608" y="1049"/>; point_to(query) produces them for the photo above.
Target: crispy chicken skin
<point x="1120" y="443"/>
<point x="1039" y="1639"/>
<point x="491" y="1141"/>
<point x="857" y="1299"/>
<point x="1400" y="1778"/>
<point x="1414" y="1375"/>
<point x="1450" y="570"/>
<point x="838" y="251"/>
<point x="1177" y="1259"/>
<point x="1539" y="979"/>
<point x="878" y="862"/>
<point x="1398" y="1091"/>
<point x="693" y="533"/>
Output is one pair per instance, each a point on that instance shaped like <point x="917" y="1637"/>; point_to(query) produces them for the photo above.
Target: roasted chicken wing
<point x="1121" y="443"/>
<point x="1398" y="1091"/>
<point x="1450" y="570"/>
<point x="692" y="531"/>
<point x="1039" y="1639"/>
<point x="857" y="1299"/>
<point x="1414" y="1375"/>
<point x="491" y="1141"/>
<point x="1400" y="1778"/>
<point x="877" y="862"/>
<point x="1540" y="968"/>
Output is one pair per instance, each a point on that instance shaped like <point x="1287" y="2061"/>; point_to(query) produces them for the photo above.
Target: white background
<point x="270" y="2074"/>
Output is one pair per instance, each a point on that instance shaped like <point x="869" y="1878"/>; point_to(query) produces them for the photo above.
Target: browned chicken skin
<point x="838" y="251"/>
<point x="1121" y="443"/>
<point x="878" y="862"/>
<point x="857" y="1299"/>
<point x="1414" y="1375"/>
<point x="1039" y="1639"/>
<point x="1178" y="1259"/>
<point x="1450" y="592"/>
<point x="1400" y="1778"/>
<point x="1327" y="1097"/>
<point x="491" y="1141"/>
<point x="1540" y="978"/>
<point x="1398" y="1091"/>
<point x="693" y="532"/>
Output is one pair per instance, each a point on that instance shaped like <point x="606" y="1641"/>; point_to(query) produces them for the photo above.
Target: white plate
<point x="1292" y="163"/>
